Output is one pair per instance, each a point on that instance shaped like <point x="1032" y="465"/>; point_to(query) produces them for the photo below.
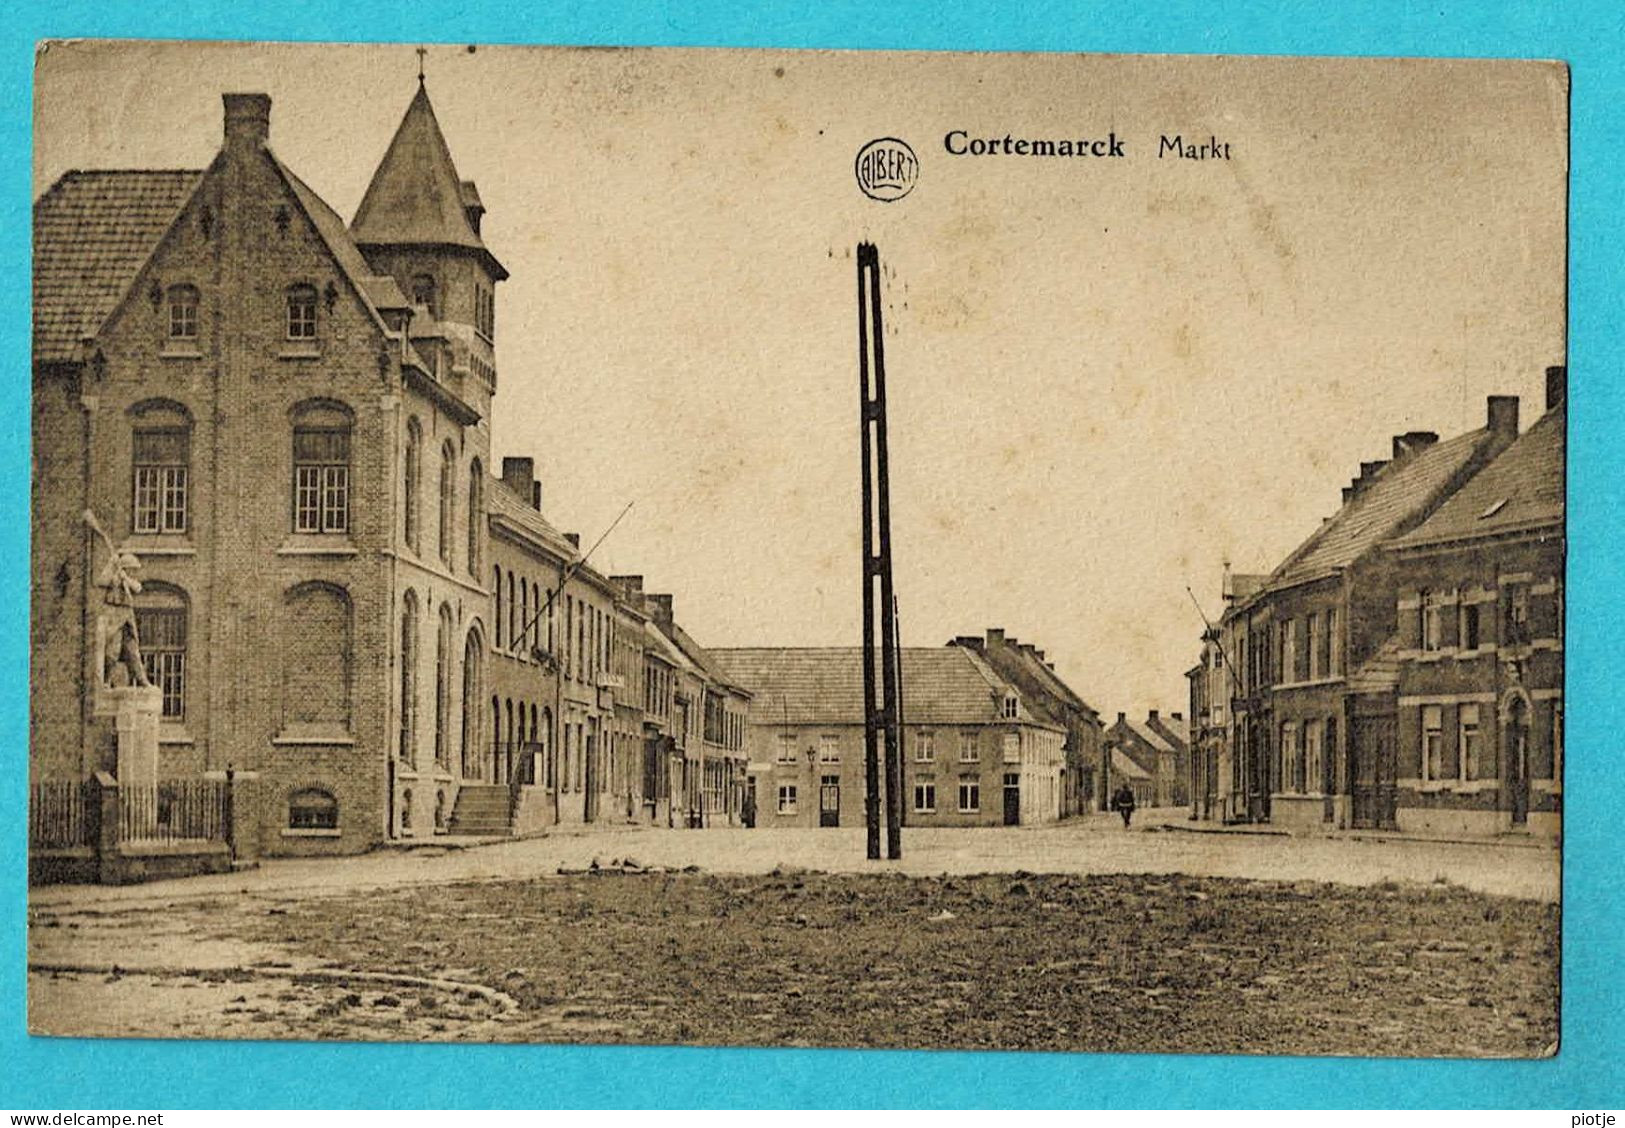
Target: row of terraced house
<point x="356" y="622"/>
<point x="1403" y="667"/>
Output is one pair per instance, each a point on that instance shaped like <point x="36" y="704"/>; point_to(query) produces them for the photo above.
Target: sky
<point x="1106" y="377"/>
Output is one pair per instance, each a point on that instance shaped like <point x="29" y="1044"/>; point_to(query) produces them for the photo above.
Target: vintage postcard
<point x="789" y="548"/>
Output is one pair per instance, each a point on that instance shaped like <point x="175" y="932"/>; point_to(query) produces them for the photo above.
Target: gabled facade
<point x="1025" y="667"/>
<point x="1159" y="750"/>
<point x="976" y="751"/>
<point x="1305" y="670"/>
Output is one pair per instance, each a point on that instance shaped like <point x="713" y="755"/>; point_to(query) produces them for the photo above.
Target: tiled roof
<point x="1522" y="488"/>
<point x="703" y="659"/>
<point x="93" y="231"/>
<point x="1398" y="492"/>
<point x="944" y="685"/>
<point x="1146" y="734"/>
<point x="1125" y="768"/>
<point x="416" y="196"/>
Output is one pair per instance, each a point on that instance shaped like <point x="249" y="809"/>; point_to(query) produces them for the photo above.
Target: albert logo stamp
<point x="887" y="169"/>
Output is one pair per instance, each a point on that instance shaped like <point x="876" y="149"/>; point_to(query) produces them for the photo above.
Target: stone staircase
<point x="482" y="809"/>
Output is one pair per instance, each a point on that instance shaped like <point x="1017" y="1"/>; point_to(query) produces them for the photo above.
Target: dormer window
<point x="302" y="313"/>
<point x="183" y="302"/>
<point x="1010" y="706"/>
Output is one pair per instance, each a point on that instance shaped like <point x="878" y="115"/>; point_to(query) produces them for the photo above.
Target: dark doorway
<point x="1373" y="772"/>
<point x="1517" y="749"/>
<point x="1012" y="799"/>
<point x="829" y="800"/>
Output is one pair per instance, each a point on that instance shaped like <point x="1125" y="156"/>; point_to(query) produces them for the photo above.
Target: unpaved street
<point x="1415" y="949"/>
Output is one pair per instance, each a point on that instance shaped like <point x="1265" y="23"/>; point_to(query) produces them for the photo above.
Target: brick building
<point x="286" y="421"/>
<point x="1334" y="692"/>
<point x="1025" y="667"/>
<point x="1159" y="747"/>
<point x="977" y="752"/>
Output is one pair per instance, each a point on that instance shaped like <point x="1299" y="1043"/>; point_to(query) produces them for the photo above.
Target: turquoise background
<point x="72" y="1074"/>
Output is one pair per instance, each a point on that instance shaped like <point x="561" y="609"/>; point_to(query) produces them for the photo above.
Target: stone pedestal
<point x="135" y="711"/>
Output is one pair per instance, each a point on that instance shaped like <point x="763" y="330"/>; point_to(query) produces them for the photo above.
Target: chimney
<point x="1177" y="716"/>
<point x="1557" y="385"/>
<point x="1040" y="654"/>
<point x="574" y="539"/>
<point x="1151" y="716"/>
<point x="248" y="121"/>
<point x="1412" y="441"/>
<point x="1122" y="718"/>
<point x="632" y="585"/>
<point x="536" y="496"/>
<point x="969" y="642"/>
<point x="1503" y="416"/>
<point x="995" y="637"/>
<point x="660" y="609"/>
<point x="519" y="475"/>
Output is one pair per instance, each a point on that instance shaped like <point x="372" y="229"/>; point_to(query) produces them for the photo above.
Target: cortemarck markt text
<point x="960" y="143"/>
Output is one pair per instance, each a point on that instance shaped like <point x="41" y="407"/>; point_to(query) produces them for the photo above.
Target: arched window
<point x="442" y="689"/>
<point x="423" y="293"/>
<point x="413" y="474"/>
<point x="476" y="515"/>
<point x="448" y="485"/>
<point x="407" y="744"/>
<point x="321" y="467"/>
<point x="313" y="809"/>
<point x="513" y="614"/>
<point x="496" y="734"/>
<point x="472" y="650"/>
<point x="522" y="640"/>
<point x="316" y="659"/>
<point x="160" y="466"/>
<point x="301" y="313"/>
<point x="496" y="583"/>
<point x="183" y="307"/>
<point x="549" y="768"/>
<point x="161" y="615"/>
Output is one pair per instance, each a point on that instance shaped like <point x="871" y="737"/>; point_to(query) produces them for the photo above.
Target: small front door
<point x="829" y="800"/>
<point x="1517" y="746"/>
<point x="1012" y="799"/>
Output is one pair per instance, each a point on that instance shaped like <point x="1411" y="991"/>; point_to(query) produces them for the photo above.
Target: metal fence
<point x="62" y="814"/>
<point x="182" y="810"/>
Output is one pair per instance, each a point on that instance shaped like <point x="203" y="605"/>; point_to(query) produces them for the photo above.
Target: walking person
<point x="1123" y="803"/>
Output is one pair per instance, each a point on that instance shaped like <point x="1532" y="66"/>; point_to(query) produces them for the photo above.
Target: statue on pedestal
<point x="121" y="663"/>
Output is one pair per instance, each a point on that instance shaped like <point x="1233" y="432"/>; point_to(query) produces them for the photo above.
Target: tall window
<point x="160" y="620"/>
<point x="1432" y="742"/>
<point x="522" y="640"/>
<point x="1517" y="613"/>
<point x="787" y="748"/>
<point x="476" y="514"/>
<point x="1317" y="644"/>
<point x="513" y="615"/>
<point x="1289" y="650"/>
<point x="485" y="312"/>
<point x="1468" y="634"/>
<point x="442" y="689"/>
<point x="321" y="469"/>
<point x="301" y="313"/>
<point x="413" y="473"/>
<point x="970" y="796"/>
<point x="496" y="587"/>
<point x="787" y="798"/>
<point x="925" y="796"/>
<point x="1472" y="742"/>
<point x="829" y="749"/>
<point x="1334" y="649"/>
<point x="161" y="454"/>
<point x="1313" y="750"/>
<point x="1291" y="767"/>
<point x="1428" y="603"/>
<point x="183" y="304"/>
<point x="448" y="486"/>
<point x="407" y="742"/>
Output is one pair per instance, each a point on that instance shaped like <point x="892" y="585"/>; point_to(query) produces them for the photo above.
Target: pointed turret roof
<point x="416" y="196"/>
